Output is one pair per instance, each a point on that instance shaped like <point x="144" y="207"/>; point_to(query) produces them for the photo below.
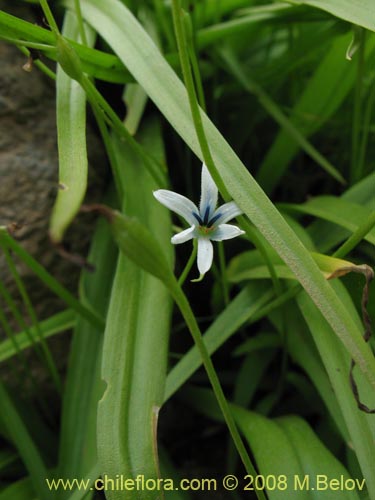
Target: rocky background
<point x="29" y="166"/>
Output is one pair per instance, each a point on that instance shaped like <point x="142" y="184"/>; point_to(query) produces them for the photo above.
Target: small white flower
<point x="206" y="222"/>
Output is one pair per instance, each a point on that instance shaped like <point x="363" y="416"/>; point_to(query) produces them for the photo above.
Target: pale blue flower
<point x="207" y="223"/>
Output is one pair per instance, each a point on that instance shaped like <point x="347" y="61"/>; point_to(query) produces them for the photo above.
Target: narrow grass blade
<point x="337" y="210"/>
<point x="58" y="323"/>
<point x="278" y="115"/>
<point x="95" y="62"/>
<point x="238" y="312"/>
<point x="324" y="93"/>
<point x="22" y="441"/>
<point x="8" y="242"/>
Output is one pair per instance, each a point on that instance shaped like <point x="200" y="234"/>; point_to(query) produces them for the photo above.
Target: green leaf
<point x="360" y="426"/>
<point x="83" y="387"/>
<point x="21" y="439"/>
<point x="96" y="63"/>
<point x="337" y="210"/>
<point x="134" y="47"/>
<point x="287" y="448"/>
<point x="361" y="12"/>
<point x="136" y="335"/>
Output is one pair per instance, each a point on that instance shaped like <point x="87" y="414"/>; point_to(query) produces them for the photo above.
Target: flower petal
<point x="178" y="203"/>
<point x="205" y="255"/>
<point x="226" y="232"/>
<point x="209" y="193"/>
<point x="183" y="236"/>
<point x="225" y="213"/>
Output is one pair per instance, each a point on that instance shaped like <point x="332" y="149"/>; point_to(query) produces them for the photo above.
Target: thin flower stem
<point x="190" y="262"/>
<point x="356" y="237"/>
<point x="192" y="96"/>
<point x="223" y="273"/>
<point x="81" y="25"/>
<point x="43" y="67"/>
<point x="192" y="324"/>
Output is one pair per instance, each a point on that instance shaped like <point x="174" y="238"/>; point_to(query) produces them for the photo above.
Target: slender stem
<point x="49" y="16"/>
<point x="192" y="96"/>
<point x="356" y="237"/>
<point x="25" y="43"/>
<point x="43" y="67"/>
<point x="18" y="317"/>
<point x="81" y="25"/>
<point x="223" y="273"/>
<point x="190" y="262"/>
<point x="192" y="324"/>
<point x="357" y="112"/>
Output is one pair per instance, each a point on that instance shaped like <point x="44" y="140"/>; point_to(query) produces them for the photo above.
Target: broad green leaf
<point x="318" y="463"/>
<point x="288" y="449"/>
<point x="71" y="140"/>
<point x="361" y="12"/>
<point x="140" y="55"/>
<point x="136" y="338"/>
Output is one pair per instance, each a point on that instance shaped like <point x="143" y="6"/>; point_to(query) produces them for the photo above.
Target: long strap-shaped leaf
<point x="71" y="135"/>
<point x="131" y="43"/>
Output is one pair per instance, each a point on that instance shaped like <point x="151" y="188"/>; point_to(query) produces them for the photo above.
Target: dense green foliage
<point x="276" y="99"/>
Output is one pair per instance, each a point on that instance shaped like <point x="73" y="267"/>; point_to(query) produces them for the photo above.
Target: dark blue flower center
<point x="206" y="221"/>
